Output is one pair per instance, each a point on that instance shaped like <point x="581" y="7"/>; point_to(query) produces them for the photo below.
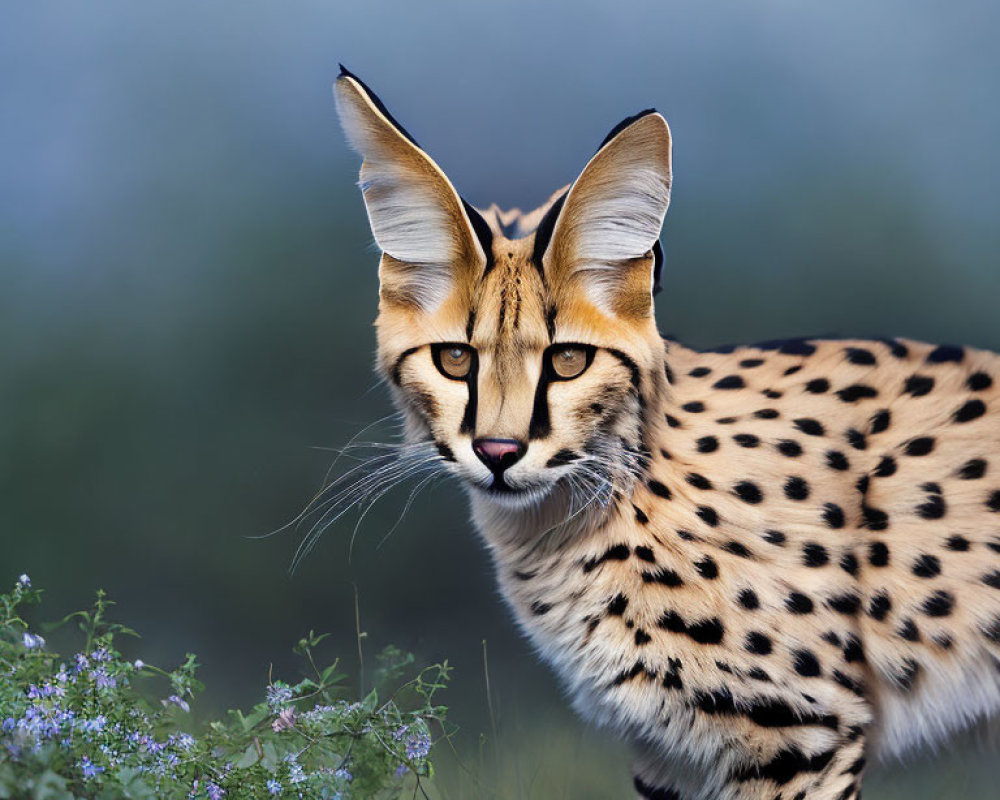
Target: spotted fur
<point x="761" y="565"/>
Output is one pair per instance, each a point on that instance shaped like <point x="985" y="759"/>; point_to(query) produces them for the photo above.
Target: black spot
<point x="946" y="352"/>
<point x="706" y="631"/>
<point x="880" y="421"/>
<point x="641" y="637"/>
<point x="707" y="444"/>
<point x="672" y="421"/>
<point x="729" y="382"/>
<point x="686" y="536"/>
<point x="757" y="674"/>
<point x="597" y="408"/>
<point x="973" y="409"/>
<point x="660" y="490"/>
<point x="918" y="385"/>
<point x="972" y="470"/>
<point x="698" y="481"/>
<point x="644" y="553"/>
<point x="897" y="348"/>
<point x="792" y="370"/>
<point x="943" y="640"/>
<point x="939" y="604"/>
<point x="879" y="606"/>
<point x="933" y="507"/>
<point x="746" y="440"/>
<point x="798" y="603"/>
<point x="993" y="501"/>
<point x="837" y="460"/>
<point x="775" y="537"/>
<point x="806" y="664"/>
<point x="444" y="451"/>
<point x="885" y="468"/>
<point x="785" y="765"/>
<point x="767" y="413"/>
<point x="708" y="515"/>
<point x="992" y="579"/>
<point x="906" y="675"/>
<point x="694" y="407"/>
<point x="758" y="643"/>
<point x="833" y="515"/>
<point x="707" y="568"/>
<point x="878" y="554"/>
<point x="856" y="392"/>
<point x="617" y="605"/>
<point x="700" y="372"/>
<point x="851" y="685"/>
<point x="992" y="632"/>
<point x="748" y="599"/>
<point x="726" y="420"/>
<point x="831" y="637"/>
<point x="856" y="439"/>
<point x="957" y="543"/>
<point x="809" y="427"/>
<point x="858" y="355"/>
<point x="750" y="363"/>
<point x="790" y="448"/>
<point x="927" y="566"/>
<point x="539" y="609"/>
<point x="640" y="516"/>
<point x="562" y="458"/>
<point x="748" y="492"/>
<point x="853" y="651"/>
<point x="815" y="555"/>
<point x="849" y="563"/>
<point x="847" y="604"/>
<point x="875" y="519"/>
<point x="664" y="577"/>
<point x="618" y="552"/>
<point x="920" y="446"/>
<point x="861" y="484"/>
<point x="978" y="381"/>
<point x="796" y="488"/>
<point x="737" y="549"/>
<point x="818" y="386"/>
<point x="772" y="394"/>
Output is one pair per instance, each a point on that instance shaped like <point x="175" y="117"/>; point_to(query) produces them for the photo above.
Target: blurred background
<point x="187" y="285"/>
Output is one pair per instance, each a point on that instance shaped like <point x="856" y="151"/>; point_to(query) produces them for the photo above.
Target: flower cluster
<point x="97" y="725"/>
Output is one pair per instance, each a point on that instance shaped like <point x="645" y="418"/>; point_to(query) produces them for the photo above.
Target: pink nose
<point x="498" y="454"/>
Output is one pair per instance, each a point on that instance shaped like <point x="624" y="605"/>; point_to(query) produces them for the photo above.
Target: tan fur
<point x="760" y="566"/>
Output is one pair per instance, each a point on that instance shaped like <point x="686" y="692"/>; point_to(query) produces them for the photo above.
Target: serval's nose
<point x="498" y="454"/>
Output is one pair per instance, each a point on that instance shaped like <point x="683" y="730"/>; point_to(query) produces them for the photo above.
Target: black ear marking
<point x="657" y="266"/>
<point x="624" y="124"/>
<point x="543" y="233"/>
<point x="483" y="233"/>
<point x="346" y="73"/>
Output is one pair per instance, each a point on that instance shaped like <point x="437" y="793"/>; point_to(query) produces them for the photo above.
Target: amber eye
<point x="454" y="360"/>
<point x="569" y="362"/>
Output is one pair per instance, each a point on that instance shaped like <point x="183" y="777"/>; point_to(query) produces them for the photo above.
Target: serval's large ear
<point x="423" y="227"/>
<point x="605" y="236"/>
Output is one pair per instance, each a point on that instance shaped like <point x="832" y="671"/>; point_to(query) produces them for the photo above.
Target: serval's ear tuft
<point x="418" y="219"/>
<point x="605" y="239"/>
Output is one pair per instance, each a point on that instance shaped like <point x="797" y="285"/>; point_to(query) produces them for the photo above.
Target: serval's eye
<point x="453" y="360"/>
<point x="569" y="362"/>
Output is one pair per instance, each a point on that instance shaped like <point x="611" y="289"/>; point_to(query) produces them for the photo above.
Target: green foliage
<point x="94" y="726"/>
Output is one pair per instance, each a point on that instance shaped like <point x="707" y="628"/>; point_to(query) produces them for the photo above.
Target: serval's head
<point x="521" y="348"/>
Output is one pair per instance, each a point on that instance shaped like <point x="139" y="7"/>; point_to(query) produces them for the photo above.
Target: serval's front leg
<point x="787" y="773"/>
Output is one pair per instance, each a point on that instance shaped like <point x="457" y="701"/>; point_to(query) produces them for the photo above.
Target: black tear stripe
<point x="472" y="381"/>
<point x="397" y="365"/>
<point x="541" y="423"/>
